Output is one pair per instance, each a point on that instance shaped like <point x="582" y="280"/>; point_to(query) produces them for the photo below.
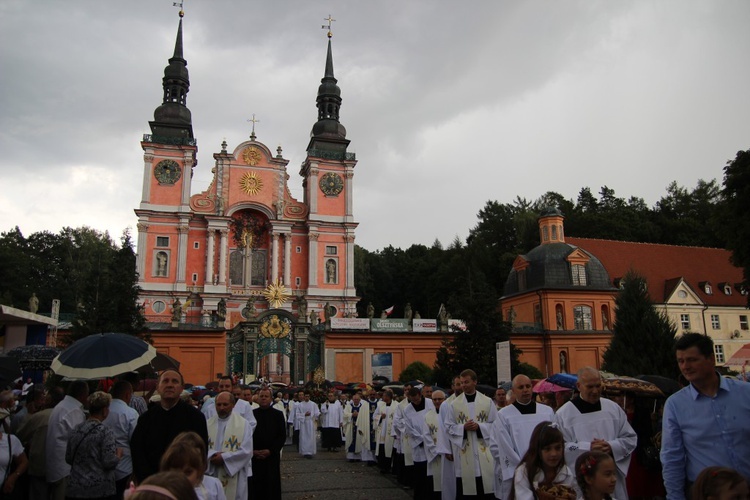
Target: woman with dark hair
<point x="92" y="454"/>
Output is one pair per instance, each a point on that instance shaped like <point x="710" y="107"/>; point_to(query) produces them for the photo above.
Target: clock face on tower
<point x="167" y="172"/>
<point x="331" y="184"/>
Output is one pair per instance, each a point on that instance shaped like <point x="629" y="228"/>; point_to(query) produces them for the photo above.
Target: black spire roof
<point x="172" y="120"/>
<point x="328" y="134"/>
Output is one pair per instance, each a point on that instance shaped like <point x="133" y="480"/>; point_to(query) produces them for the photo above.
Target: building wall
<point x="349" y="355"/>
<point x="202" y="355"/>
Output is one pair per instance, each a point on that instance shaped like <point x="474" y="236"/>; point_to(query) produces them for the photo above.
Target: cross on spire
<point x="328" y="26"/>
<point x="254" y="121"/>
<point x="180" y="5"/>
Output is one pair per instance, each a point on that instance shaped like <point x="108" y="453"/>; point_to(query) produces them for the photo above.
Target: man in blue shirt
<point x="705" y="423"/>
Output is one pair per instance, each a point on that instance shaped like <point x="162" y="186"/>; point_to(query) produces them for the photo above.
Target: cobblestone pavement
<point x="329" y="476"/>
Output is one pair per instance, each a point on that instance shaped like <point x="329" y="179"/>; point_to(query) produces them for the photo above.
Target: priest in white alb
<point x="512" y="430"/>
<point x="383" y="424"/>
<point x="331" y="422"/>
<point x="468" y="422"/>
<point x="230" y="448"/>
<point x="306" y="415"/>
<point x="357" y="427"/>
<point x="591" y="422"/>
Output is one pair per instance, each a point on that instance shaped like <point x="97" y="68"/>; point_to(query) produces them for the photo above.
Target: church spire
<point x="173" y="120"/>
<point x="328" y="133"/>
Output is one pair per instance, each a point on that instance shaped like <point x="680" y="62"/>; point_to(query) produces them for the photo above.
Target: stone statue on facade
<point x="559" y="319"/>
<point x="302" y="309"/>
<point x="605" y="320"/>
<point x="512" y="315"/>
<point x="313" y="317"/>
<point x="176" y="310"/>
<point x="370" y="311"/>
<point x="33" y="303"/>
<point x="327" y="312"/>
<point x="443" y="318"/>
<point x="221" y="309"/>
<point x="408" y="312"/>
<point x="417" y="315"/>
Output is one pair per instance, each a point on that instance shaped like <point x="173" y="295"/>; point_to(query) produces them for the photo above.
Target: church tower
<point x="328" y="173"/>
<point x="169" y="154"/>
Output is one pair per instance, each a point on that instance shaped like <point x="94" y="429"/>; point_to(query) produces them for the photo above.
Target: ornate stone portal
<point x="275" y="331"/>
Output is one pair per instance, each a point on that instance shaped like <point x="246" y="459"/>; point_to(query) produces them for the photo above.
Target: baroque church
<point x="241" y="276"/>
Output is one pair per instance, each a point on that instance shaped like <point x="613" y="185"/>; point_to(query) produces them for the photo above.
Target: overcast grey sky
<point x="447" y="104"/>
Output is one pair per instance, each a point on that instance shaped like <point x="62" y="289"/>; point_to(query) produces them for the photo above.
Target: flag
<point x="389" y="311"/>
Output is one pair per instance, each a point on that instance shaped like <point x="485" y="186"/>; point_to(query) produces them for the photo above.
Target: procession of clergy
<point x="462" y="445"/>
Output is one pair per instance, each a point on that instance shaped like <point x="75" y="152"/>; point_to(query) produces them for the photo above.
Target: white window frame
<point x="719" y="353"/>
<point x="715" y="322"/>
<point x="743" y="322"/>
<point x="162" y="238"/>
<point x="685" y="321"/>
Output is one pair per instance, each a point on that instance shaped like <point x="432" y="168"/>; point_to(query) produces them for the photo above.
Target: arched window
<point x="582" y="317"/>
<point x="236" y="261"/>
<point x="554" y="233"/>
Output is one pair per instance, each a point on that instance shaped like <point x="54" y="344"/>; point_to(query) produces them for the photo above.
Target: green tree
<point x="734" y="210"/>
<point x="643" y="337"/>
<point x="416" y="371"/>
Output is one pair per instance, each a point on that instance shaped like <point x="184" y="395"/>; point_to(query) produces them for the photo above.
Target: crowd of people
<point x="450" y="444"/>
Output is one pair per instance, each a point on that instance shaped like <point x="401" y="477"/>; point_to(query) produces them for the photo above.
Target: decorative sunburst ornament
<point x="251" y="183"/>
<point x="276" y="294"/>
<point x="252" y="155"/>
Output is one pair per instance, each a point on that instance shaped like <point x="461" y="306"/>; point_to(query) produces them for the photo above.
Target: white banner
<point x="350" y="324"/>
<point x="502" y="349"/>
<point x="424" y="325"/>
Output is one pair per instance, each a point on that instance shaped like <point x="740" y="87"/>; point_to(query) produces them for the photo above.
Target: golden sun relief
<point x="251" y="183"/>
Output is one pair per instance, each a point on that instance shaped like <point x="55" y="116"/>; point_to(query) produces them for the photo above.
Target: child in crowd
<point x="542" y="469"/>
<point x="720" y="483"/>
<point x="187" y="454"/>
<point x="596" y="475"/>
<point x="163" y="486"/>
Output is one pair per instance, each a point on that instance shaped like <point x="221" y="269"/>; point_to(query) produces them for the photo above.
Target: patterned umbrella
<point x="103" y="355"/>
<point x="34" y="357"/>
<point x="545" y="385"/>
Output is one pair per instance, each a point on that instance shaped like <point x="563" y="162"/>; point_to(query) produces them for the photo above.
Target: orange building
<point x="560" y="301"/>
<point x="560" y="296"/>
<point x="242" y="246"/>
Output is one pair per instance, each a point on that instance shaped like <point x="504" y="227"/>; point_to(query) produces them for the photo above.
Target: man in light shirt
<point x="66" y="416"/>
<point x="122" y="419"/>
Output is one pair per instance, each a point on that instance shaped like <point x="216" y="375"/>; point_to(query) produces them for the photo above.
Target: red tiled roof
<point x="663" y="265"/>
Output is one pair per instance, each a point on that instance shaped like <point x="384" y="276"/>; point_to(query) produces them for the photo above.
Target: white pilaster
<point x="288" y="260"/>
<point x="313" y="264"/>
<point x="275" y="257"/>
<point x="223" y="257"/>
<point x="182" y="244"/>
<point x="210" y="243"/>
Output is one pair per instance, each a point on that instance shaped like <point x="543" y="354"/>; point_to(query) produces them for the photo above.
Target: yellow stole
<point x="234" y="433"/>
<point x="436" y="466"/>
<point x="482" y="408"/>
<point x="405" y="446"/>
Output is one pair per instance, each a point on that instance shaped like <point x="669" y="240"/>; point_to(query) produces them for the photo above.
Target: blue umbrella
<point x="103" y="355"/>
<point x="564" y="380"/>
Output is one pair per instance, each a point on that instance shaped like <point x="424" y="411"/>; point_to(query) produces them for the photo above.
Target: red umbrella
<point x="545" y="385"/>
<point x="740" y="357"/>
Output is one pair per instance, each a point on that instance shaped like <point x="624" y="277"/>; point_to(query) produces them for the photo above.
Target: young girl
<point x="162" y="486"/>
<point x="720" y="483"/>
<point x="596" y="475"/>
<point x="187" y="454"/>
<point x="543" y="466"/>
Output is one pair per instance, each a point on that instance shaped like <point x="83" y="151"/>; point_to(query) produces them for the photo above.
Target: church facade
<point x="243" y="252"/>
